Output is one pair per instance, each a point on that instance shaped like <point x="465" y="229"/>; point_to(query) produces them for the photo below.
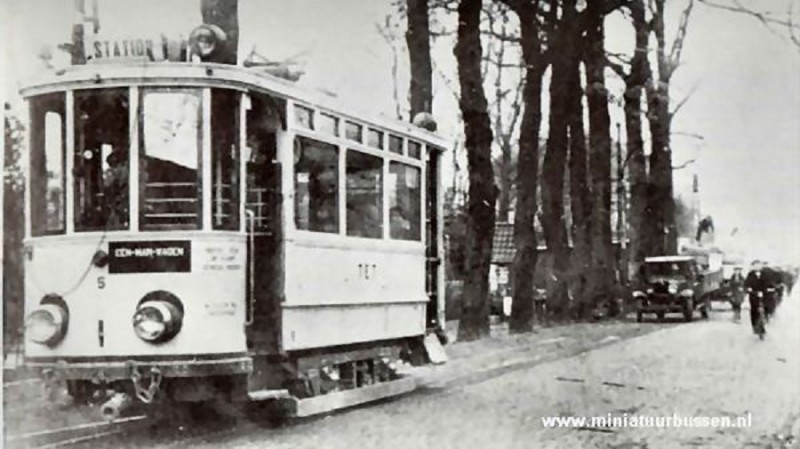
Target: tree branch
<point x="684" y="165"/>
<point x="617" y="68"/>
<point x="677" y="44"/>
<point x="683" y="101"/>
<point x="762" y="17"/>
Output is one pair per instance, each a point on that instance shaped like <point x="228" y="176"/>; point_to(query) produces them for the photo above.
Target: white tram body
<point x="216" y="229"/>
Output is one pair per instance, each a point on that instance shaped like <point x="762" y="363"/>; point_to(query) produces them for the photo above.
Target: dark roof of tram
<point x="205" y="74"/>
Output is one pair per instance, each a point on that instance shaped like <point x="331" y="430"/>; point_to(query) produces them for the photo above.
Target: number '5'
<point x="101" y="282"/>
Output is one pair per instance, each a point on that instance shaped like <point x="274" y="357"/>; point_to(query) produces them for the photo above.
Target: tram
<point x="197" y="231"/>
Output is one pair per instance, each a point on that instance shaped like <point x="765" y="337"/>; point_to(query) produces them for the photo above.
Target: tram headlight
<point x="47" y="325"/>
<point x="156" y="321"/>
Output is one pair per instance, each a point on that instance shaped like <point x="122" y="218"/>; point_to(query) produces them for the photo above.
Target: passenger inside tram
<point x="101" y="160"/>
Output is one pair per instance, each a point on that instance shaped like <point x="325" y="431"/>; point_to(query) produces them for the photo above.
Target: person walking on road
<point x="737" y="294"/>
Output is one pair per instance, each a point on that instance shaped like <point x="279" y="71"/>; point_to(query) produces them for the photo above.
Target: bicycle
<point x="759" y="326"/>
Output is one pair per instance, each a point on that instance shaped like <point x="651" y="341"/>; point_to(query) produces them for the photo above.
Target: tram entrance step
<point x="338" y="400"/>
<point x="434" y="349"/>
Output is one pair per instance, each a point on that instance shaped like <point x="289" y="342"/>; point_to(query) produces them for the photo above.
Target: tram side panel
<point x="352" y="291"/>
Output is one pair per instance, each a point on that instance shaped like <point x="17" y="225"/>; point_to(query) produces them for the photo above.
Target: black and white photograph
<point x="400" y="224"/>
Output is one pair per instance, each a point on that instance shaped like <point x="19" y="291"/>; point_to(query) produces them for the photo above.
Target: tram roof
<point x="90" y="76"/>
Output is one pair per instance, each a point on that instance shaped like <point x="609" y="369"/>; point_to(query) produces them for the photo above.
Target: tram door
<point x="263" y="205"/>
<point x="433" y="261"/>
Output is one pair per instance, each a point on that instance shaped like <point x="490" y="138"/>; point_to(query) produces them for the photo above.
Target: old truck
<point x="675" y="284"/>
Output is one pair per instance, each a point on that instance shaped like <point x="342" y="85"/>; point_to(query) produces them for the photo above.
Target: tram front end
<point x="135" y="251"/>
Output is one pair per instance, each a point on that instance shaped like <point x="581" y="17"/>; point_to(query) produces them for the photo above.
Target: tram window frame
<point x="197" y="197"/>
<point x="396" y="144"/>
<point x="375" y="138"/>
<point x="353" y="131"/>
<point x="328" y="124"/>
<point x="304" y="116"/>
<point x="324" y="217"/>
<point x="364" y="210"/>
<point x="225" y="208"/>
<point x="101" y="158"/>
<point x="404" y="219"/>
<point x="417" y="149"/>
<point x="44" y="197"/>
<point x="262" y="170"/>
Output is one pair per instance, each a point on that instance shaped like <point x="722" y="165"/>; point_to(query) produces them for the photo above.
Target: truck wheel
<point x="704" y="310"/>
<point x="688" y="310"/>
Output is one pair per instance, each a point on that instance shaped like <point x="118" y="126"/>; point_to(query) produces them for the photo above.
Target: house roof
<point x="668" y="259"/>
<point x="503" y="249"/>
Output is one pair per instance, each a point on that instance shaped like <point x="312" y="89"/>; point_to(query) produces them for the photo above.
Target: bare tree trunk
<point x="482" y="191"/>
<point x="522" y="307"/>
<point x="661" y="201"/>
<point x="580" y="192"/>
<point x="600" y="152"/>
<point x="580" y="197"/>
<point x="659" y="188"/>
<point x="506" y="181"/>
<point x="555" y="159"/>
<point x="224" y="14"/>
<point x="634" y="83"/>
<point x="507" y="108"/>
<point x="13" y="228"/>
<point x="418" y="38"/>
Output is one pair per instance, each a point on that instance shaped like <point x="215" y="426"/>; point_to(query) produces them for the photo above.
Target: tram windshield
<point x="169" y="123"/>
<point x="101" y="171"/>
<point x="171" y="129"/>
<point x="47" y="164"/>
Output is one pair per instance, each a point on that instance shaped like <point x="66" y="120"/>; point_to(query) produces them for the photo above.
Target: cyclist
<point x="771" y="294"/>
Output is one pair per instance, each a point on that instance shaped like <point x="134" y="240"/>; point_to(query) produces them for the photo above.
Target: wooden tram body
<point x="198" y="231"/>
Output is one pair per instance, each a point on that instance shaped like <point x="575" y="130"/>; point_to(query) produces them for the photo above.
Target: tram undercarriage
<point x="301" y="384"/>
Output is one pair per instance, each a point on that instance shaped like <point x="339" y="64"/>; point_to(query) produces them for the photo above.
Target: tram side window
<point x="101" y="174"/>
<point x="225" y="159"/>
<point x="364" y="195"/>
<point x="316" y="186"/>
<point x="404" y="201"/>
<point x="47" y="164"/>
<point x="170" y="163"/>
<point x="263" y="175"/>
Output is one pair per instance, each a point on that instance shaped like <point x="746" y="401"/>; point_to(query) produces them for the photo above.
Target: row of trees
<point x="566" y="38"/>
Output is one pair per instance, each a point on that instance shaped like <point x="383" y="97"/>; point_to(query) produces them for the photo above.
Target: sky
<point x="744" y="82"/>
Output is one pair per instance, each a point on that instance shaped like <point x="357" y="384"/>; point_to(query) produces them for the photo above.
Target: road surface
<point x="702" y="370"/>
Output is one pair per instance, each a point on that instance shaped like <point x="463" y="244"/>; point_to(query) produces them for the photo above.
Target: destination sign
<point x="100" y="48"/>
<point x="150" y="257"/>
<point x="104" y="49"/>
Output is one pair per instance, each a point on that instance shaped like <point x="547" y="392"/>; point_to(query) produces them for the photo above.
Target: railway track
<point x="82" y="433"/>
<point x="177" y="425"/>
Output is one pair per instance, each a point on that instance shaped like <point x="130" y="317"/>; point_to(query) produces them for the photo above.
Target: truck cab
<point x="671" y="284"/>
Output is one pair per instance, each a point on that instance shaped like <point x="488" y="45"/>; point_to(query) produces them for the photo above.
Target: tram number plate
<point x="150" y="257"/>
